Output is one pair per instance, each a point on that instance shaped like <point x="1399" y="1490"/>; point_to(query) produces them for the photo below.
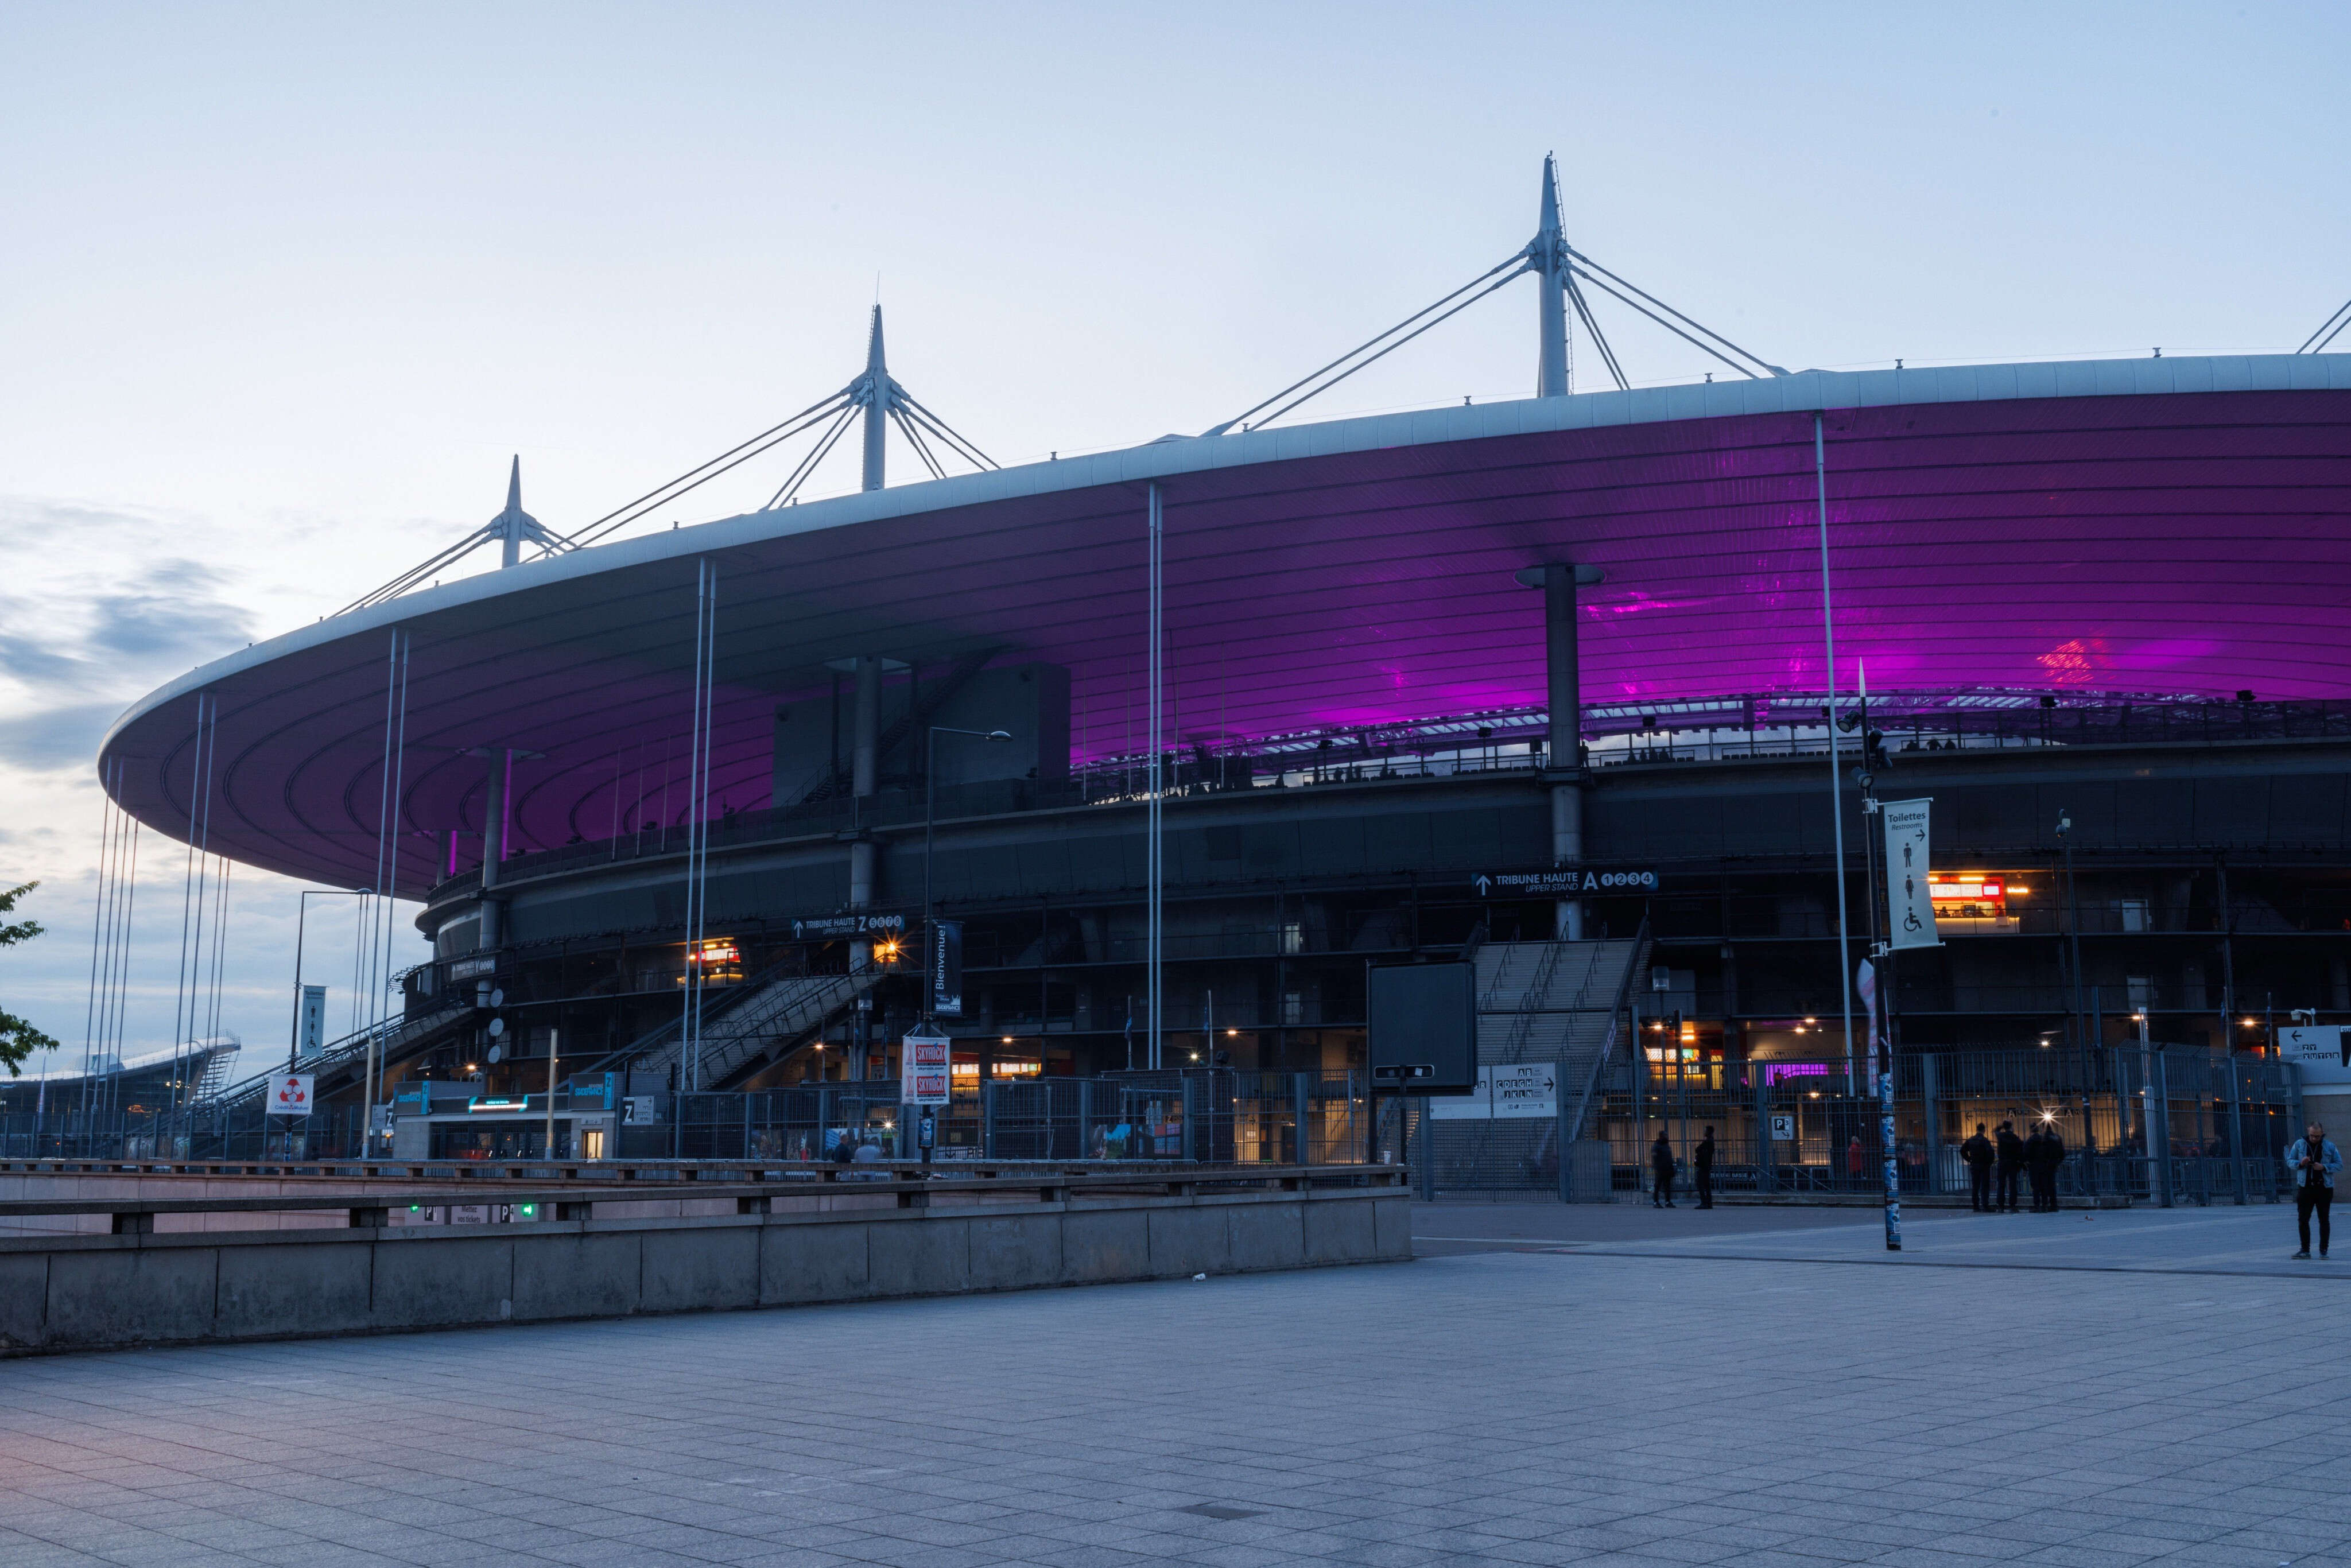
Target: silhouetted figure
<point x="1702" y="1169"/>
<point x="2046" y="1157"/>
<point x="2011" y="1149"/>
<point x="1661" y="1173"/>
<point x="1977" y="1152"/>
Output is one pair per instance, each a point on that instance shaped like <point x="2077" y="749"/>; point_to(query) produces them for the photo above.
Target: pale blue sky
<point x="283" y="286"/>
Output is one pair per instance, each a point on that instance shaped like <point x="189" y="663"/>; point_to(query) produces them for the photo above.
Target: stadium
<point x="1173" y="742"/>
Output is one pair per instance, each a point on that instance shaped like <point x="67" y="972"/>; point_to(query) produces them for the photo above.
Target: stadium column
<point x="1564" y="702"/>
<point x="864" y="780"/>
<point x="494" y="845"/>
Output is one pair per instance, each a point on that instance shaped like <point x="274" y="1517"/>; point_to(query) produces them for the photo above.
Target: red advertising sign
<point x="924" y="1062"/>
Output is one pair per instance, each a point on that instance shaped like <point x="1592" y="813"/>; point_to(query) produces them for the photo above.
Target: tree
<point x="18" y="1039"/>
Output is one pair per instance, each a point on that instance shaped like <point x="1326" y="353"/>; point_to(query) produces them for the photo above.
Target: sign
<point x="312" y="1034"/>
<point x="831" y="925"/>
<point x="640" y="1110"/>
<point x="1909" y="900"/>
<point x="1557" y="883"/>
<point x="471" y="968"/>
<point x="2323" y="1054"/>
<point x="289" y="1093"/>
<point x="1510" y="1091"/>
<point x="946" y="967"/>
<point x="1783" y="1127"/>
<point x="924" y="1065"/>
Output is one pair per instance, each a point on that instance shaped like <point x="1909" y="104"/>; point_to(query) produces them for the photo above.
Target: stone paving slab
<point x="1640" y="1405"/>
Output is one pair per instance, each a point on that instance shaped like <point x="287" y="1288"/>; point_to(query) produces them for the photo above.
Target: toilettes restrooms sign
<point x="1909" y="904"/>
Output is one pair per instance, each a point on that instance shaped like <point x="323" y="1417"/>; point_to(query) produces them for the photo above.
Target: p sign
<point x="289" y="1093"/>
<point x="1783" y="1127"/>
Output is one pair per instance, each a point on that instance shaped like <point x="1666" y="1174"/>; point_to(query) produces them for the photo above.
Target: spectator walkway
<point x="1737" y="1393"/>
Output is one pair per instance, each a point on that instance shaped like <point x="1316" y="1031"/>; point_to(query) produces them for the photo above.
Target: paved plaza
<point x="1605" y="1386"/>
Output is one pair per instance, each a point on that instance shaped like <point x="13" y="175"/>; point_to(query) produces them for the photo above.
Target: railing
<point x="1730" y="730"/>
<point x="768" y="1190"/>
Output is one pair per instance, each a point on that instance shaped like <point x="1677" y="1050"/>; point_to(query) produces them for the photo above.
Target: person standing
<point x="1856" y="1162"/>
<point x="1661" y="1173"/>
<point x="2316" y="1162"/>
<point x="2046" y="1168"/>
<point x="1702" y="1169"/>
<point x="2033" y="1164"/>
<point x="1976" y="1153"/>
<point x="2011" y="1149"/>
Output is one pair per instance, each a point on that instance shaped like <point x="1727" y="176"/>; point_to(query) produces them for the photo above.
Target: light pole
<point x="930" y="821"/>
<point x="930" y="930"/>
<point x="294" y="1034"/>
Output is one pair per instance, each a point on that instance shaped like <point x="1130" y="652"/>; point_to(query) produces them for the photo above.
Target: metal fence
<point x="1221" y="1117"/>
<point x="2165" y="1125"/>
<point x="228" y="1132"/>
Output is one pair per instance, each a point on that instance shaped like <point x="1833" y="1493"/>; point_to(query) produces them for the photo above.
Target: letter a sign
<point x="1909" y="906"/>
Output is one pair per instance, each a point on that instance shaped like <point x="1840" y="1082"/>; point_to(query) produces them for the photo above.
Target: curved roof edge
<point x="1167" y="458"/>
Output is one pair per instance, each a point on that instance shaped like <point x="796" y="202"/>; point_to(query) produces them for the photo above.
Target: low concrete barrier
<point x="150" y="1287"/>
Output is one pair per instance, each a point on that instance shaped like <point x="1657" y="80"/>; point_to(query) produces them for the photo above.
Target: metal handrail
<point x="1608" y="1046"/>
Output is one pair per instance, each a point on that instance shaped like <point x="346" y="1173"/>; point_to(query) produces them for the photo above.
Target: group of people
<point x="2008" y="1159"/>
<point x="1662" y="1166"/>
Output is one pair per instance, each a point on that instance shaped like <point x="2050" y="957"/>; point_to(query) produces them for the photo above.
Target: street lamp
<point x="294" y="1034"/>
<point x="930" y="820"/>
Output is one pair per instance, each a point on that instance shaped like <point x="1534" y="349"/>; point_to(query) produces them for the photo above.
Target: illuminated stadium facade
<point x="2114" y="591"/>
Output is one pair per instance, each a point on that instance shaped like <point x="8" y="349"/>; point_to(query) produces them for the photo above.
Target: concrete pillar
<point x="494" y="845"/>
<point x="1564" y="699"/>
<point x="865" y="775"/>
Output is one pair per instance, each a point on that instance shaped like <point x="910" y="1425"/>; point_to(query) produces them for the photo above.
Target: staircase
<point x="756" y="1019"/>
<point x="1537" y="1001"/>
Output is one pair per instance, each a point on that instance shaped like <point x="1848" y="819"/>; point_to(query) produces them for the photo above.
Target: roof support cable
<point x="914" y="434"/>
<point x="1391" y="349"/>
<point x="2328" y="330"/>
<point x="808" y="465"/>
<point x="702" y="474"/>
<point x="940" y="428"/>
<point x="1515" y="264"/>
<point x="1599" y="339"/>
<point x="1696" y="342"/>
<point x="1596" y="272"/>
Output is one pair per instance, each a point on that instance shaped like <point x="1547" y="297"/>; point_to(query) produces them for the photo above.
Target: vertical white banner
<point x="1909" y="906"/>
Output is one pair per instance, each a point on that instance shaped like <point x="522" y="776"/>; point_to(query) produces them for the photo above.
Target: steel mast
<point x="1547" y="259"/>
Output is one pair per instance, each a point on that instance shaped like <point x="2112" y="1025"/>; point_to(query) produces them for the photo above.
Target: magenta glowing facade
<point x="2165" y="528"/>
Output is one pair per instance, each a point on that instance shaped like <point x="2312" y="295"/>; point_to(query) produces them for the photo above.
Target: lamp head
<point x="999" y="735"/>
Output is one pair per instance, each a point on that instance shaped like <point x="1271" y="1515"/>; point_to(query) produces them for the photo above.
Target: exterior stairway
<point x="756" y="1018"/>
<point x="1553" y="1002"/>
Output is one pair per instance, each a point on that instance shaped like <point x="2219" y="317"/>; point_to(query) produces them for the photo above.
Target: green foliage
<point x="18" y="1039"/>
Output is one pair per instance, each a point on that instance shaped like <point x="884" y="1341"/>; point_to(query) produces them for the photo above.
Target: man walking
<point x="1702" y="1168"/>
<point x="2011" y="1149"/>
<point x="1661" y="1173"/>
<point x="2316" y="1162"/>
<point x="1977" y="1152"/>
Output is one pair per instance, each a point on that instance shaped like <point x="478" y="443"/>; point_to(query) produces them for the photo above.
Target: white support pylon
<point x="878" y="394"/>
<point x="1547" y="258"/>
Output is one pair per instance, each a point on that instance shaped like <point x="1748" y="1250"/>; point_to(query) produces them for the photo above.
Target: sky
<point x="283" y="287"/>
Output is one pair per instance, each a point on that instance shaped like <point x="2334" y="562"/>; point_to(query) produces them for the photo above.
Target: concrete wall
<point x="86" y="1292"/>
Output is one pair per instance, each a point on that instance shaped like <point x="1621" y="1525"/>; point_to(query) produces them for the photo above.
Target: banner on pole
<point x="314" y="1019"/>
<point x="289" y="1094"/>
<point x="925" y="1064"/>
<point x="946" y="967"/>
<point x="1909" y="904"/>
